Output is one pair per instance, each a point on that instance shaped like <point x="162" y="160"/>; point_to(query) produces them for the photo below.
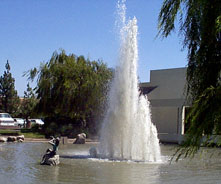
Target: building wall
<point x="170" y="83"/>
<point x="166" y="119"/>
<point x="167" y="101"/>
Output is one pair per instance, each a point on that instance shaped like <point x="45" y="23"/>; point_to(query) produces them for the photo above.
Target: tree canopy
<point x="8" y="94"/>
<point x="200" y="25"/>
<point x="71" y="87"/>
<point x="28" y="104"/>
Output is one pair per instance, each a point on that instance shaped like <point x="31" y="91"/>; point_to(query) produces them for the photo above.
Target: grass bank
<point x="28" y="133"/>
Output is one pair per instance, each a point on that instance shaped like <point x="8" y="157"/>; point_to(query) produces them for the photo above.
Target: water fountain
<point x="127" y="132"/>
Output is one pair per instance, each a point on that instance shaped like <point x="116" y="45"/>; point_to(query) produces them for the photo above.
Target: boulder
<point x="11" y="138"/>
<point x="52" y="161"/>
<point x="80" y="139"/>
<point x="20" y="138"/>
<point x="3" y="139"/>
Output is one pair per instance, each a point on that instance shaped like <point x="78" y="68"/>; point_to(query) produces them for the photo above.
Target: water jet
<point x="127" y="132"/>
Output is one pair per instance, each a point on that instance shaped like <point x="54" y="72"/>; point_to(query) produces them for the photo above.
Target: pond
<point x="20" y="163"/>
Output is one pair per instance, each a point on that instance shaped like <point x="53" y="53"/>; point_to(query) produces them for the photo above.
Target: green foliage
<point x="199" y="22"/>
<point x="8" y="94"/>
<point x="28" y="104"/>
<point x="205" y="123"/>
<point x="71" y="87"/>
<point x="205" y="115"/>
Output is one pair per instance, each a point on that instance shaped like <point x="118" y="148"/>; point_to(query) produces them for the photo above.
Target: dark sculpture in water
<point x="51" y="157"/>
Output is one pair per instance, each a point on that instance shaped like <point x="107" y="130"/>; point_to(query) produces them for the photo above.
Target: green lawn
<point x="26" y="133"/>
<point x="9" y="132"/>
<point x="33" y="135"/>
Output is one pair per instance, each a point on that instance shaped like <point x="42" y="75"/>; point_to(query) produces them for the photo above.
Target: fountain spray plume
<point x="127" y="132"/>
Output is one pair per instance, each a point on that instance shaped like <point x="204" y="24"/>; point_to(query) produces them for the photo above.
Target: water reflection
<point x="108" y="171"/>
<point x="128" y="173"/>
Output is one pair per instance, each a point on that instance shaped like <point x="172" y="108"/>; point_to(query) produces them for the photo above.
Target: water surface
<point x="20" y="163"/>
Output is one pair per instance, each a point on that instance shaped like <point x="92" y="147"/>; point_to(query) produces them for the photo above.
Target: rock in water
<point x="50" y="160"/>
<point x="20" y="138"/>
<point x="81" y="138"/>
<point x="12" y="139"/>
<point x="3" y="139"/>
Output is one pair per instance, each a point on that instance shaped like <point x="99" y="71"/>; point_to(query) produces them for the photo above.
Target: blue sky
<point x="31" y="30"/>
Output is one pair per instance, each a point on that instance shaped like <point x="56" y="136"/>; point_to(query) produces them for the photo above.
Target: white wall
<point x="167" y="100"/>
<point x="170" y="83"/>
<point x="166" y="119"/>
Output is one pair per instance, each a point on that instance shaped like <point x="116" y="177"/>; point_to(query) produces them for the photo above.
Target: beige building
<point x="166" y="92"/>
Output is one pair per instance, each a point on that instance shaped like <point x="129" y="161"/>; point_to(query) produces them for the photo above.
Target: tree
<point x="200" y="25"/>
<point x="71" y="90"/>
<point x="28" y="104"/>
<point x="8" y="94"/>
